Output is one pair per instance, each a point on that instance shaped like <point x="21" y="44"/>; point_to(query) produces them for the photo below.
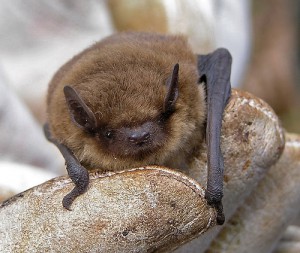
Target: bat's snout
<point x="139" y="137"/>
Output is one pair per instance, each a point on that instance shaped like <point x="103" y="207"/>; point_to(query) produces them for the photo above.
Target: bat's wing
<point x="214" y="70"/>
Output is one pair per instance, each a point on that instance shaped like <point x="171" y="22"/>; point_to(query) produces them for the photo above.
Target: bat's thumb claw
<point x="67" y="201"/>
<point x="220" y="215"/>
<point x="215" y="200"/>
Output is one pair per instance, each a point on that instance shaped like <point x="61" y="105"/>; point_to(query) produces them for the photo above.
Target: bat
<point x="136" y="99"/>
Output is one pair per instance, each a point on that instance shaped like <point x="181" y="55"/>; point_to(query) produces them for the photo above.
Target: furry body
<point x="122" y="79"/>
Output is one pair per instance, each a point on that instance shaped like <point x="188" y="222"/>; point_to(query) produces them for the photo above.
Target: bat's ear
<point x="80" y="113"/>
<point x="172" y="93"/>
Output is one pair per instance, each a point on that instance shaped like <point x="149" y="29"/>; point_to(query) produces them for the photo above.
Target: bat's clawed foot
<point x="68" y="200"/>
<point x="80" y="178"/>
<point x="215" y="200"/>
<point x="70" y="197"/>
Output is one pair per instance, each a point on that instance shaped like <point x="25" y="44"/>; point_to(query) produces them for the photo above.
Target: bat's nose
<point x="139" y="137"/>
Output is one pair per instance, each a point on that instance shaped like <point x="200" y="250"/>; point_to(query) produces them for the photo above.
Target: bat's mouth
<point x="137" y="150"/>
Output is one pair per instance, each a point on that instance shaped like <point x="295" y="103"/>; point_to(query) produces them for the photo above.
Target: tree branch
<point x="150" y="209"/>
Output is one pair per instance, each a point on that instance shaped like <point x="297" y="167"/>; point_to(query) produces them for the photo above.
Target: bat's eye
<point x="108" y="134"/>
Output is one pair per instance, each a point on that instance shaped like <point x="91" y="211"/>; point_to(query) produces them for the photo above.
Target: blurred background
<point x="37" y="37"/>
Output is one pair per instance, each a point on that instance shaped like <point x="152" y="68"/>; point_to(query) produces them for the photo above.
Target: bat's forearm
<point x="214" y="70"/>
<point x="76" y="171"/>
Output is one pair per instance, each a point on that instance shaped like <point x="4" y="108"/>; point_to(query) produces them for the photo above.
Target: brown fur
<point x="122" y="79"/>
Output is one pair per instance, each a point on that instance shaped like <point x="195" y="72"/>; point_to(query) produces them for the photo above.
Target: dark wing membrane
<point x="215" y="70"/>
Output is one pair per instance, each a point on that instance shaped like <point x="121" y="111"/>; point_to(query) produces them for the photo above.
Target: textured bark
<point x="252" y="140"/>
<point x="290" y="241"/>
<point x="142" y="210"/>
<point x="288" y="247"/>
<point x="262" y="219"/>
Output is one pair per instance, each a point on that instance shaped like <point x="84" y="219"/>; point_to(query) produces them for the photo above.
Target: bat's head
<point x="136" y="127"/>
<point x="128" y="138"/>
<point x="139" y="109"/>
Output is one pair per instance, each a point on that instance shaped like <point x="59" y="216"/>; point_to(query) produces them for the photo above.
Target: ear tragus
<point x="81" y="114"/>
<point x="172" y="93"/>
